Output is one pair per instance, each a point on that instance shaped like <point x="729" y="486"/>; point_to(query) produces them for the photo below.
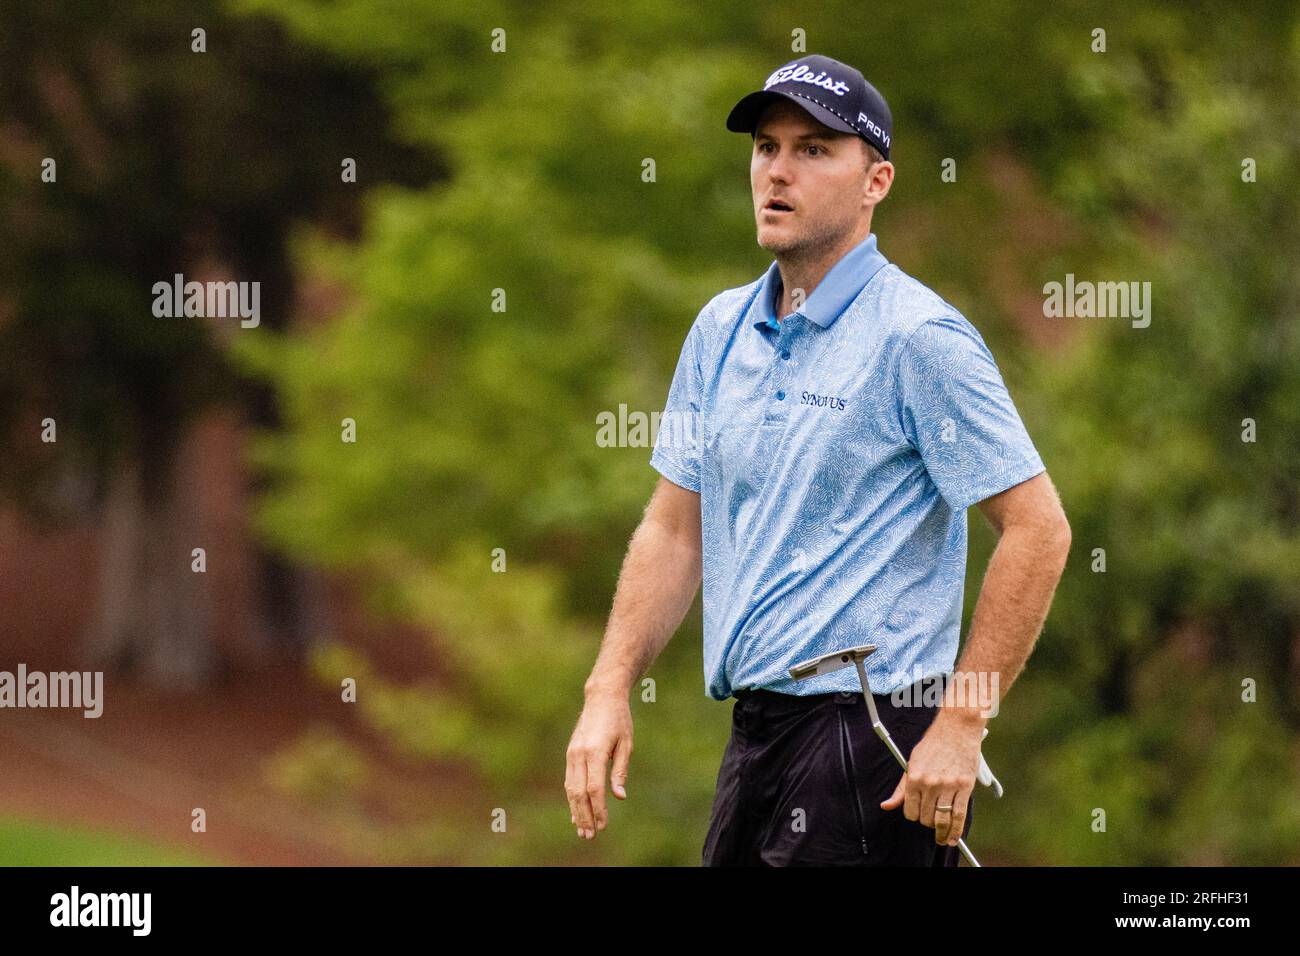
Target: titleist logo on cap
<point x="801" y="74"/>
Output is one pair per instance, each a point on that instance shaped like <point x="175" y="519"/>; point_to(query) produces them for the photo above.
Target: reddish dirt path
<point x="144" y="765"/>
<point x="152" y="757"/>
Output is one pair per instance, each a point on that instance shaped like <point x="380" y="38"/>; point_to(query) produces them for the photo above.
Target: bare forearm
<point x="1013" y="603"/>
<point x="656" y="586"/>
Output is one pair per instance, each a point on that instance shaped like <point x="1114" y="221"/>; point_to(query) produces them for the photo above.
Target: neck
<point x="805" y="268"/>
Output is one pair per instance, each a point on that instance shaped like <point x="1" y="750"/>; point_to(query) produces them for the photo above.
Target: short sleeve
<point x="955" y="410"/>
<point x="677" y="446"/>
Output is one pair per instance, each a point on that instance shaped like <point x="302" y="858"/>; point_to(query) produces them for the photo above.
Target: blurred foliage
<point x="168" y="161"/>
<point x="476" y="428"/>
<point x="322" y="767"/>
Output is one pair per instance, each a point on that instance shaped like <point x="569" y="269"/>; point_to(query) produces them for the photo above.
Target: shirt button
<point x="780" y="396"/>
<point x="785" y="355"/>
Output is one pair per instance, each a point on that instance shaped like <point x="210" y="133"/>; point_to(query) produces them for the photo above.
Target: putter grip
<point x="985" y="774"/>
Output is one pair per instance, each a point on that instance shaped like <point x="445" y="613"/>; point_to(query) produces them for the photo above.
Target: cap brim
<point x="745" y="114"/>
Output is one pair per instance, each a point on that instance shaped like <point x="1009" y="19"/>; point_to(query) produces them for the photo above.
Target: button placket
<point x="784" y="372"/>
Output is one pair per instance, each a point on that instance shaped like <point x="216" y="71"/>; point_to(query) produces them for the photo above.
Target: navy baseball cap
<point x="833" y="93"/>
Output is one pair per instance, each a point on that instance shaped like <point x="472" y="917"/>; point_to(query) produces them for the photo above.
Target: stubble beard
<point x="809" y="244"/>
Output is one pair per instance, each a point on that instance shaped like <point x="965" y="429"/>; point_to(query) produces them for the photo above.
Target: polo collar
<point x="839" y="287"/>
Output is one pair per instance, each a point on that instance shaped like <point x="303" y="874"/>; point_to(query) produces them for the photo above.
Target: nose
<point x="778" y="170"/>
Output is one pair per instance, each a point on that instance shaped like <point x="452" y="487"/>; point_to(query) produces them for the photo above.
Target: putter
<point x="854" y="656"/>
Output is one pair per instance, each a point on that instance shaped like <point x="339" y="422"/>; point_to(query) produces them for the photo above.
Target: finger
<point x="943" y="818"/>
<point x="960" y="808"/>
<point x="912" y="799"/>
<point x="596" y="763"/>
<point x="929" y="800"/>
<point x="895" y="798"/>
<point x="618" y="776"/>
<point x="575" y="787"/>
<point x="572" y="790"/>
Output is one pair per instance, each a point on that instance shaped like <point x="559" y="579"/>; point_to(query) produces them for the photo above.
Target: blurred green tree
<point x="167" y="161"/>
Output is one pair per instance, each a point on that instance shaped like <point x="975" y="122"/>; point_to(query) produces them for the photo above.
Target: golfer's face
<point x="817" y="171"/>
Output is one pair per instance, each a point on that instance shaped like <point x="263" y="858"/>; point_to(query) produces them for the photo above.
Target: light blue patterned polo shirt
<point x="835" y="453"/>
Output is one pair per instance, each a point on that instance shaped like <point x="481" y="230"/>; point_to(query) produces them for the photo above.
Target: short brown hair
<point x="871" y="154"/>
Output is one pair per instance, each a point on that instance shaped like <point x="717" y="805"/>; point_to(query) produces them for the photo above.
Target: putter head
<point x="829" y="663"/>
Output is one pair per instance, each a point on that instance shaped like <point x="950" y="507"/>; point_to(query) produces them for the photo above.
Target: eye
<point x="815" y="146"/>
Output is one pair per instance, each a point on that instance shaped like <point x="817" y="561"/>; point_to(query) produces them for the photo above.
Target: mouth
<point x="778" y="206"/>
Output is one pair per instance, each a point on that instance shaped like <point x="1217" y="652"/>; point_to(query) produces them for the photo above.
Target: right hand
<point x="604" y="730"/>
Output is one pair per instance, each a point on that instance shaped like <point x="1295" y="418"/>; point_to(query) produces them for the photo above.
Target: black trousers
<point x="802" y="780"/>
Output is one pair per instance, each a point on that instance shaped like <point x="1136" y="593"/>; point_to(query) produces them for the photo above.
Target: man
<point x="846" y="417"/>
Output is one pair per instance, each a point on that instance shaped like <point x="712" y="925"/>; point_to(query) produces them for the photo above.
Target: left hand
<point x="941" y="770"/>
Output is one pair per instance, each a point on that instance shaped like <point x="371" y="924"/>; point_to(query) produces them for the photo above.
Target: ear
<point x="877" y="182"/>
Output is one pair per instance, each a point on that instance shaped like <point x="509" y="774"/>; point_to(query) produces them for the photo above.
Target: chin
<point x="774" y="240"/>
